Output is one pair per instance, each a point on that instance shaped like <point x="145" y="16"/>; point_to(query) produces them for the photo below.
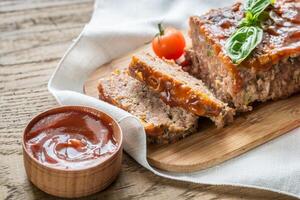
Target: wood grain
<point x="30" y="48"/>
<point x="211" y="146"/>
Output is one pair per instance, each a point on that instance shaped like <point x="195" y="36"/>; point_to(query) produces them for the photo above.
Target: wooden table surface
<point x="33" y="37"/>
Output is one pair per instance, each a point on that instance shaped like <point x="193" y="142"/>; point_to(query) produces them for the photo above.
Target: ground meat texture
<point x="272" y="71"/>
<point x="179" y="89"/>
<point x="163" y="124"/>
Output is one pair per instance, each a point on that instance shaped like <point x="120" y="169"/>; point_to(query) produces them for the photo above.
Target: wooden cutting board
<point x="210" y="146"/>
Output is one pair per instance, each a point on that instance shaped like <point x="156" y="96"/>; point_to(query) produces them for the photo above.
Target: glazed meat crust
<point x="272" y="71"/>
<point x="163" y="124"/>
<point x="178" y="89"/>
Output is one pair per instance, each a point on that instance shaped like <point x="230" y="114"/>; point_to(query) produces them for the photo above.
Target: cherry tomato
<point x="169" y="43"/>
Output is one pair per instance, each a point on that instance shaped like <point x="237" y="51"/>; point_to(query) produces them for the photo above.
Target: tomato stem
<point x="161" y="29"/>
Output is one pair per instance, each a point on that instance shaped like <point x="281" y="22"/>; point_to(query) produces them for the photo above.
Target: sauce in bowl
<point x="71" y="139"/>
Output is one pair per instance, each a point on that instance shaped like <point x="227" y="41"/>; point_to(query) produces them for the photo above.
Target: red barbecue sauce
<point x="71" y="139"/>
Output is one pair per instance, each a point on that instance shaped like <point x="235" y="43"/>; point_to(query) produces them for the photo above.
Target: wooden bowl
<point x="72" y="183"/>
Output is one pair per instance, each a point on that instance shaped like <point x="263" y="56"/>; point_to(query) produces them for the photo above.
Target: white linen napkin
<point x="118" y="26"/>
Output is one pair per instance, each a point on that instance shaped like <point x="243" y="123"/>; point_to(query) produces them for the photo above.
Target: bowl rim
<point x="62" y="108"/>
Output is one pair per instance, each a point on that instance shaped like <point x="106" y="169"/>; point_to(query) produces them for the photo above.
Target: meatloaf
<point x="178" y="89"/>
<point x="272" y="70"/>
<point x="163" y="124"/>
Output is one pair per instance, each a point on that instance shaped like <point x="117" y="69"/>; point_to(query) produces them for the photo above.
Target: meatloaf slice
<point x="162" y="123"/>
<point x="178" y="89"/>
<point x="272" y="70"/>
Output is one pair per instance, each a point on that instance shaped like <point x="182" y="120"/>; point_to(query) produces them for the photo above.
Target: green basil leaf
<point x="256" y="7"/>
<point x="242" y="42"/>
<point x="248" y="20"/>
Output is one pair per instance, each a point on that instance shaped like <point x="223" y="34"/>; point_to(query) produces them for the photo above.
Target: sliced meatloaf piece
<point x="178" y="89"/>
<point x="163" y="124"/>
<point x="271" y="71"/>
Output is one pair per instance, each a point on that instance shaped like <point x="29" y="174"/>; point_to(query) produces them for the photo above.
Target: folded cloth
<point x="118" y="26"/>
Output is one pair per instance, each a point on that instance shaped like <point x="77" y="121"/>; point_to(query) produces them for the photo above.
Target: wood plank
<point x="22" y="96"/>
<point x="211" y="146"/>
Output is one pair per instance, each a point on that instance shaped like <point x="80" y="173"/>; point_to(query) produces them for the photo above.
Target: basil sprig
<point x="242" y="42"/>
<point x="249" y="34"/>
<point x="256" y="7"/>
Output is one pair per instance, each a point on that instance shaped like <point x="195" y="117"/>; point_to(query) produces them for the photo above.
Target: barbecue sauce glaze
<point x="71" y="139"/>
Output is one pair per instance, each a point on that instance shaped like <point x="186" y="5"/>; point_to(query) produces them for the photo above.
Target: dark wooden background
<point x="33" y="37"/>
